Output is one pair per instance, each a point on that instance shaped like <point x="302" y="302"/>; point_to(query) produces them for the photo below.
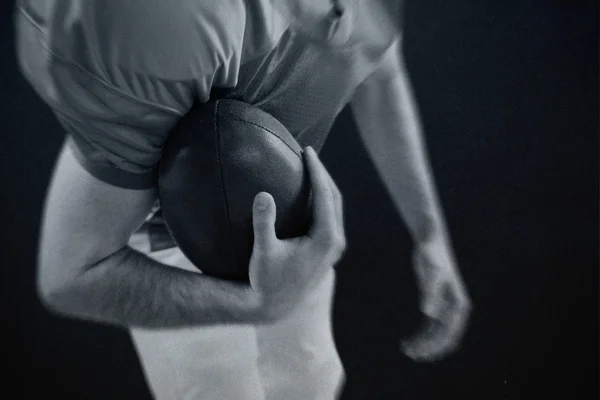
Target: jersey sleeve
<point x="117" y="78"/>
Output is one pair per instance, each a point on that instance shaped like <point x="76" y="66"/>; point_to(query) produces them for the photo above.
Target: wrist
<point x="435" y="252"/>
<point x="237" y="302"/>
<point x="265" y="308"/>
<point x="431" y="232"/>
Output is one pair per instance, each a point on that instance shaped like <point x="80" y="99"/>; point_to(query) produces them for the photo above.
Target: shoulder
<point x="377" y="23"/>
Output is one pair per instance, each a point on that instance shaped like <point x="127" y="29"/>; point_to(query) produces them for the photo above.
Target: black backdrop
<point x="509" y="97"/>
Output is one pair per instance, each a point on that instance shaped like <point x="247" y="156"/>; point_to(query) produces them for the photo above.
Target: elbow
<point x="50" y="295"/>
<point x="55" y="290"/>
<point x="47" y="299"/>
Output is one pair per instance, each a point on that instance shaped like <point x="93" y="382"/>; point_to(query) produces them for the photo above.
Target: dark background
<point x="509" y="97"/>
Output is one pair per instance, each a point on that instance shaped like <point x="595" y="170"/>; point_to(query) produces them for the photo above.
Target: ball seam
<point x="223" y="186"/>
<point x="268" y="130"/>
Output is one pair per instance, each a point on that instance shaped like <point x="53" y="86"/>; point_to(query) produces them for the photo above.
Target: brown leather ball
<point x="218" y="157"/>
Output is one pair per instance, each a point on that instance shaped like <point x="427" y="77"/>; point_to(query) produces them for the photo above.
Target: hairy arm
<point x="86" y="270"/>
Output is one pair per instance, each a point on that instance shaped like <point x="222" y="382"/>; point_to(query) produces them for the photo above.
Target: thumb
<point x="263" y="221"/>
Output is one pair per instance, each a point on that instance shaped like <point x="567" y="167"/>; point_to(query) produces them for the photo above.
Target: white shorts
<point x="293" y="359"/>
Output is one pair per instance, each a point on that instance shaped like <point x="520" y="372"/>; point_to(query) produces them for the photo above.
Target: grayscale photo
<point x="300" y="199"/>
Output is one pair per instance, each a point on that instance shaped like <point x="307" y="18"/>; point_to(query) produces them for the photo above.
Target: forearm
<point x="389" y="125"/>
<point x="130" y="289"/>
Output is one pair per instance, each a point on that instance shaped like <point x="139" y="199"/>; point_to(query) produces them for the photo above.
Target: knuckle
<point x="262" y="225"/>
<point x="337" y="245"/>
<point x="331" y="243"/>
<point x="327" y="242"/>
<point x="322" y="248"/>
<point x="259" y="224"/>
<point x="341" y="245"/>
<point x="343" y="248"/>
<point x="343" y="241"/>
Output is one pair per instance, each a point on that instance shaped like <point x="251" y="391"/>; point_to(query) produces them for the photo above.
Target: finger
<point x="429" y="344"/>
<point x="442" y="344"/>
<point x="455" y="308"/>
<point x="339" y="207"/>
<point x="442" y="339"/>
<point x="447" y="308"/>
<point x="337" y="198"/>
<point x="439" y="337"/>
<point x="457" y="325"/>
<point x="263" y="221"/>
<point x="416" y="346"/>
<point x="324" y="212"/>
<point x="430" y="341"/>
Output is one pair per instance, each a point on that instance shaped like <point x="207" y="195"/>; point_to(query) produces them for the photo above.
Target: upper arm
<point x="379" y="102"/>
<point x="389" y="71"/>
<point x="84" y="220"/>
<point x="104" y="182"/>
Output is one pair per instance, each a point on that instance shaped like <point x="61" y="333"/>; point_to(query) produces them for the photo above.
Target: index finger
<point x="323" y="226"/>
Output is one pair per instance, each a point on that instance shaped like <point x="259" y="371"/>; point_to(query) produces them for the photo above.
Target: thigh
<point x="200" y="362"/>
<point x="297" y="356"/>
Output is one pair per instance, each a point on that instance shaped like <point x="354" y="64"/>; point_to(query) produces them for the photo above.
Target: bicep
<point x="85" y="219"/>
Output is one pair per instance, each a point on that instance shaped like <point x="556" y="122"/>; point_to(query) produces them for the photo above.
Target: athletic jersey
<point x="119" y="74"/>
